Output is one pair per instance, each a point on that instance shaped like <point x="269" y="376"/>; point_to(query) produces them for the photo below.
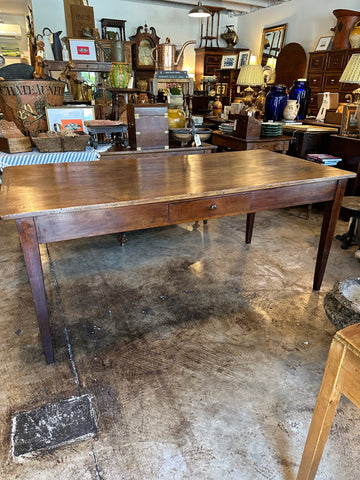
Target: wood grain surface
<point x="38" y="189"/>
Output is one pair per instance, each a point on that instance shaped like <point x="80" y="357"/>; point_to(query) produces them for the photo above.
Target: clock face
<point x="144" y="53"/>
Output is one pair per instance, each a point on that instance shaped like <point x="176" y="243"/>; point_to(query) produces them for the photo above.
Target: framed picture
<point x="228" y="61"/>
<point x="70" y="118"/>
<point x="273" y="40"/>
<point x="323" y="43"/>
<point x="82" y="49"/>
<point x="221" y="89"/>
<point x="349" y="124"/>
<point x="244" y="58"/>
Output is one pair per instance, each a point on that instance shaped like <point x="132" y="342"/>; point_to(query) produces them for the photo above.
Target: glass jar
<point x="275" y="103"/>
<point x="301" y="92"/>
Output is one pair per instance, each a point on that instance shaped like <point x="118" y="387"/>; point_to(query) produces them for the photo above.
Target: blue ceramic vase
<point x="301" y="92"/>
<point x="275" y="103"/>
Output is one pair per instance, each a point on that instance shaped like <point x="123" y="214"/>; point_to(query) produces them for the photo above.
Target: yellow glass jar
<point x="176" y="118"/>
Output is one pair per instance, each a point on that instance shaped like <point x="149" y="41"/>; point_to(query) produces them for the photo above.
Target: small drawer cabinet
<point x="148" y="126"/>
<point x="324" y="72"/>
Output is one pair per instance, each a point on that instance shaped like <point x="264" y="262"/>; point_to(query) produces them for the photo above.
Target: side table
<point x="308" y="138"/>
<point x="275" y="144"/>
<point x="117" y="130"/>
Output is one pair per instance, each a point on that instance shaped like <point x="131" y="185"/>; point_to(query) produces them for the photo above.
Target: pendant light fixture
<point x="199" y="11"/>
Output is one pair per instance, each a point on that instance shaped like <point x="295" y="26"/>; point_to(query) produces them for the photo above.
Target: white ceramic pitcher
<point x="291" y="110"/>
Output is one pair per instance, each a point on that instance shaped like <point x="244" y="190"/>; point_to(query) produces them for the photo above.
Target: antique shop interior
<point x="179" y="205"/>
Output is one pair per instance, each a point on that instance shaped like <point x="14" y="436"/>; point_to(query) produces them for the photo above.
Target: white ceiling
<point x="19" y="7"/>
<point x="240" y="7"/>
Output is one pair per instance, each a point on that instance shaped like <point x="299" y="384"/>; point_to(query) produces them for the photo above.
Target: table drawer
<point x="209" y="208"/>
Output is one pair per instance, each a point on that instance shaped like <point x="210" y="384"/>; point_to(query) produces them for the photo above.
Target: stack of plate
<point x="271" y="129"/>
<point x="227" y="128"/>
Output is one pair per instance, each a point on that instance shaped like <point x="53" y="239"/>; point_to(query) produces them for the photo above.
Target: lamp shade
<point x="199" y="11"/>
<point x="351" y="74"/>
<point x="250" y="75"/>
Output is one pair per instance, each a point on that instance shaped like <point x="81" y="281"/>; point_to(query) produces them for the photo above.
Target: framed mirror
<point x="273" y="39"/>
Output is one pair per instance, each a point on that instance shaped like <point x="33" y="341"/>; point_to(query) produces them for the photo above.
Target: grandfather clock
<point x="145" y="40"/>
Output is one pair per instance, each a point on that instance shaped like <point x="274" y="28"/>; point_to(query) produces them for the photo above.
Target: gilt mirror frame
<point x="273" y="40"/>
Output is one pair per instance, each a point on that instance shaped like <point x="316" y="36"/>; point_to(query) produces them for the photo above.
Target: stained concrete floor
<point x="202" y="355"/>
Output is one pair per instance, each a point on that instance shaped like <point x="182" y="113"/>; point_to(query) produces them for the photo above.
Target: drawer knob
<point x="213" y="206"/>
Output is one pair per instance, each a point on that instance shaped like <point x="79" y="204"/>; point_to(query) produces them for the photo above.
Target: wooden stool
<point x="352" y="204"/>
<point x="341" y="376"/>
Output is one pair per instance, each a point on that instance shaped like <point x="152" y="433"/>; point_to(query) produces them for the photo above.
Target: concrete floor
<point x="203" y="356"/>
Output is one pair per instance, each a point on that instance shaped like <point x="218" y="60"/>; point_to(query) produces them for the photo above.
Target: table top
<point x="35" y="190"/>
<point x="299" y="127"/>
<point x="278" y="138"/>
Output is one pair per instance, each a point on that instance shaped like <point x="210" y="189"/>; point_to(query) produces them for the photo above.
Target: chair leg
<point x="324" y="412"/>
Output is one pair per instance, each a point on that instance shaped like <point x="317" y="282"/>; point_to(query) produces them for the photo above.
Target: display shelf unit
<point x="80" y="66"/>
<point x="208" y="61"/>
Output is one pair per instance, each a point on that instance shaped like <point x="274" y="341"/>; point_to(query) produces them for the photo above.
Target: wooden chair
<point x="341" y="376"/>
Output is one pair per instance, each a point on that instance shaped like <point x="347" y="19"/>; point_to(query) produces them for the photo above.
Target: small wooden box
<point x="15" y="145"/>
<point x="148" y="126"/>
<point x="247" y="127"/>
<point x="333" y="98"/>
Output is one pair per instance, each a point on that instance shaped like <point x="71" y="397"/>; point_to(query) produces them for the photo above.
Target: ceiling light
<point x="199" y="11"/>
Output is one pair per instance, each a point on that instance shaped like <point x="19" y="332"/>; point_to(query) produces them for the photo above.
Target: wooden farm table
<point x="65" y="201"/>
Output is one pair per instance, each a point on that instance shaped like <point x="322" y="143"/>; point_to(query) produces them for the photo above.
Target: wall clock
<point x="144" y="41"/>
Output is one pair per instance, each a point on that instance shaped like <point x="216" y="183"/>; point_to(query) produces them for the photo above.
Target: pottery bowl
<point x="186" y="134"/>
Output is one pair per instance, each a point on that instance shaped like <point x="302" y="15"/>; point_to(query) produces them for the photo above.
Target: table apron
<point x="87" y="223"/>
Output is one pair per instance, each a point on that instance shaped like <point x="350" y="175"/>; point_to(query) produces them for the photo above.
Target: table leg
<point x="331" y="214"/>
<point x="115" y="106"/>
<point x="30" y="247"/>
<point x="250" y="218"/>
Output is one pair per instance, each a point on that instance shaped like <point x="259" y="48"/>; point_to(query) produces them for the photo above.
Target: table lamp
<point x="351" y="74"/>
<point x="250" y="75"/>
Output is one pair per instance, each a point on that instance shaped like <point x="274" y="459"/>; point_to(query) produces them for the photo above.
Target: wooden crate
<point x="58" y="143"/>
<point x="247" y="127"/>
<point x="148" y="126"/>
<point x="15" y="145"/>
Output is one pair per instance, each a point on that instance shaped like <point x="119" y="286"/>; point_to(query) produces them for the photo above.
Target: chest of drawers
<point x="324" y="72"/>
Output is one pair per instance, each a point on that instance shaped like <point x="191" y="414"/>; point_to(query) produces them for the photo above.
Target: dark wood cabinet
<point x="324" y="72"/>
<point x="348" y="149"/>
<point x="148" y="126"/>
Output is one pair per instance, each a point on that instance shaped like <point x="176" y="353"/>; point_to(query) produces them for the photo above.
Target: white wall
<point x="307" y="20"/>
<point x="168" y="21"/>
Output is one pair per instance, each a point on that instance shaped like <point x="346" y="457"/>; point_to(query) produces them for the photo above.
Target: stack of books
<point x="323" y="158"/>
<point x="172" y="74"/>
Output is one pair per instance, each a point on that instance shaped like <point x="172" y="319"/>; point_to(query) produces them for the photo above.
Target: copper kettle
<point x="165" y="56"/>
